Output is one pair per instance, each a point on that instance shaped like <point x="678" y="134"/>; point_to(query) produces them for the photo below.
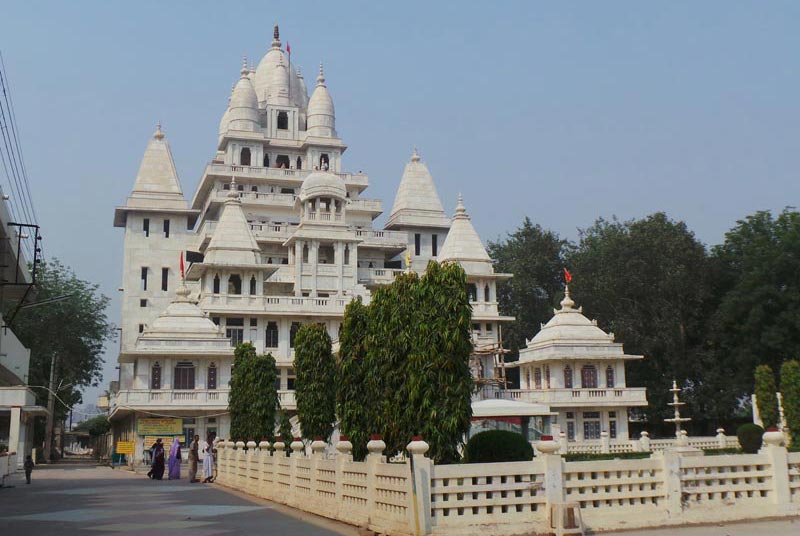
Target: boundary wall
<point x="418" y="498"/>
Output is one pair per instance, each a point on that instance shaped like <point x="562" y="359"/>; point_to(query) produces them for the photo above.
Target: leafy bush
<point x="315" y="386"/>
<point x="498" y="446"/>
<point x="790" y="396"/>
<point x="766" y="396"/>
<point x="721" y="452"/>
<point x="586" y="457"/>
<point x="750" y="437"/>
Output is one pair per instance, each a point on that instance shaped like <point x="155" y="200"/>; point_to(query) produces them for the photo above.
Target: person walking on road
<point x="193" y="457"/>
<point x="174" y="461"/>
<point x="208" y="460"/>
<point x="158" y="461"/>
<point x="28" y="465"/>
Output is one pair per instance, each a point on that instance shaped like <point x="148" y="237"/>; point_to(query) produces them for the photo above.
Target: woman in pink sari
<point x="174" y="461"/>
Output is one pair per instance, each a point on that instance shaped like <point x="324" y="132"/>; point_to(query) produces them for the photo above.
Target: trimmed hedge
<point x="750" y="437"/>
<point x="497" y="446"/>
<point x="586" y="457"/>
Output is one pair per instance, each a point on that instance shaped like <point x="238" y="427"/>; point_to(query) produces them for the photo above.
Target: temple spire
<point x="321" y="76"/>
<point x="276" y="37"/>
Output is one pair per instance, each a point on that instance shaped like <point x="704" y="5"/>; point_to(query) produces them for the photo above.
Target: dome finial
<point x="415" y="155"/>
<point x="245" y="71"/>
<point x="321" y="76"/>
<point x="233" y="193"/>
<point x="276" y="37"/>
<point x="461" y="211"/>
<point x="158" y="134"/>
<point x="567" y="303"/>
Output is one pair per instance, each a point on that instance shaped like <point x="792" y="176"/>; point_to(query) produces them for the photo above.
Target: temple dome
<point x="323" y="184"/>
<point x="321" y="114"/>
<point x="243" y="113"/>
<point x="569" y="326"/>
<point x="265" y="73"/>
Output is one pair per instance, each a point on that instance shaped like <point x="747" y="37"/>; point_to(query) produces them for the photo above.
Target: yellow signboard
<point x="125" y="447"/>
<point x="166" y="440"/>
<point x="159" y="427"/>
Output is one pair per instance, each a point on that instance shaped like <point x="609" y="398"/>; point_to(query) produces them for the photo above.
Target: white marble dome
<point x="568" y="325"/>
<point x="323" y="184"/>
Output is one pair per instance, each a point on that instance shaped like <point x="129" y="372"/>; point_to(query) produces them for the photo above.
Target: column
<point x="14" y="433"/>
<point x="298" y="267"/>
<point x="313" y="260"/>
<point x="340" y="263"/>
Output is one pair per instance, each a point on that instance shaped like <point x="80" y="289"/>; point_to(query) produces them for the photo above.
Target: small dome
<point x="244" y="105"/>
<point x="223" y="123"/>
<point x="323" y="184"/>
<point x="321" y="114"/>
<point x="568" y="325"/>
<point x="278" y="91"/>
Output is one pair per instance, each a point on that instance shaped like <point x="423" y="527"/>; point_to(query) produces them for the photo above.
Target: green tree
<point x="96" y="426"/>
<point x="766" y="396"/>
<point x="536" y="258"/>
<point x="284" y="427"/>
<point x="790" y="397"/>
<point x="353" y="405"/>
<point x="73" y="331"/>
<point x="253" y="397"/>
<point x="758" y="320"/>
<point x="650" y="282"/>
<point x="315" y="383"/>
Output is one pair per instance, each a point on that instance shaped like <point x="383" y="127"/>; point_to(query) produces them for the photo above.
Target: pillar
<point x="313" y="260"/>
<point x="298" y="268"/>
<point x="420" y="470"/>
<point x="671" y="469"/>
<point x="14" y="434"/>
<point x="779" y="465"/>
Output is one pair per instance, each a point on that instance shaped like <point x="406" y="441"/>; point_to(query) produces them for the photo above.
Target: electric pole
<point x="51" y="404"/>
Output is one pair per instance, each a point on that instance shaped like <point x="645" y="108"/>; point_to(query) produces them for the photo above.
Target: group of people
<point x="173" y="461"/>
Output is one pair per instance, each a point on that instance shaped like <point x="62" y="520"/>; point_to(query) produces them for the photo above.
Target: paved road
<point x="777" y="527"/>
<point x="88" y="500"/>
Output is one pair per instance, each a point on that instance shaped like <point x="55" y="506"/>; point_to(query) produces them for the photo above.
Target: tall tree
<point x="536" y="258"/>
<point x="766" y="392"/>
<point x="651" y="283"/>
<point x="790" y="397"/>
<point x="315" y="383"/>
<point x="253" y="397"/>
<point x="353" y="404"/>
<point x="758" y="320"/>
<point x="73" y="331"/>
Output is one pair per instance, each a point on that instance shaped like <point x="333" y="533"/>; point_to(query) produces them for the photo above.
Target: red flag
<point x="183" y="271"/>
<point x="288" y="48"/>
<point x="567" y="275"/>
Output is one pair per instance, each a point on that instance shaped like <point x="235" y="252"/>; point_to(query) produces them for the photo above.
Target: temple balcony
<point x="621" y="396"/>
<point x="149" y="398"/>
<point x="377" y="276"/>
<point x="396" y="240"/>
<point x="295" y="305"/>
<point x="372" y="206"/>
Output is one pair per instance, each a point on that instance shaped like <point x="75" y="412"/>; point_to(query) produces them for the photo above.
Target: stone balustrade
<point x="417" y="497"/>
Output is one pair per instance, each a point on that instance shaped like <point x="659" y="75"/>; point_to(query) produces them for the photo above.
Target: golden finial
<point x="408" y="260"/>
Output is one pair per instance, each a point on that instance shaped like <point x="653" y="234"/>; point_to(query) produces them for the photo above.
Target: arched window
<point x="299" y="163"/>
<point x="537" y="378"/>
<point x="244" y="157"/>
<point x="589" y="377"/>
<point x="486" y="293"/>
<point x="211" y="379"/>
<point x="155" y="376"/>
<point x="347" y="254"/>
<point x="234" y="284"/>
<point x="305" y="252"/>
<point x="283" y="121"/>
<point x="547" y="376"/>
<point x="610" y="377"/>
<point x="528" y="379"/>
<point x="282" y="161"/>
<point x="266" y="160"/>
<point x="472" y="292"/>
<point x="184" y="375"/>
<point x="253" y="286"/>
<point x="293" y="329"/>
<point x="568" y="377"/>
<point x="323" y="161"/>
<point x="216" y="284"/>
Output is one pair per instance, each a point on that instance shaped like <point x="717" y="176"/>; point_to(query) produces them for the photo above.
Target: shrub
<point x="790" y="396"/>
<point x="498" y="446"/>
<point x="587" y="457"/>
<point x="766" y="396"/>
<point x="750" y="437"/>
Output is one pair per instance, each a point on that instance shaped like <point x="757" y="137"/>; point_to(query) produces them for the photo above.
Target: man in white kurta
<point x="207" y="448"/>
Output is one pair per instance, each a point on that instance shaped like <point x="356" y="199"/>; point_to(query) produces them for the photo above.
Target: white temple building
<point x="277" y="234"/>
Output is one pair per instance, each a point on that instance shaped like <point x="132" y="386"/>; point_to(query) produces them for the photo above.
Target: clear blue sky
<point x="561" y="112"/>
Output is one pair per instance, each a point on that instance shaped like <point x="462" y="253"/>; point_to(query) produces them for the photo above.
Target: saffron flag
<point x="567" y="275"/>
<point x="288" y="48"/>
<point x="183" y="271"/>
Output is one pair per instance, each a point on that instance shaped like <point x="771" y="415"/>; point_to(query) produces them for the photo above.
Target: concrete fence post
<point x="673" y="489"/>
<point x="605" y="442"/>
<point x="644" y="442"/>
<point x="251" y="485"/>
<point x="721" y="439"/>
<point x="298" y="449"/>
<point x="420" y="468"/>
<point x="280" y="452"/>
<point x="317" y="448"/>
<point x="376" y="446"/>
<point x="779" y="465"/>
<point x="553" y="471"/>
<point x="562" y="442"/>
<point x="263" y="460"/>
<point x="238" y="480"/>
<point x="344" y="456"/>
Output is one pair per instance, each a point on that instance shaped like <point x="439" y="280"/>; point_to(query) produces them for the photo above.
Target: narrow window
<point x="184" y="375"/>
<point x="146" y="226"/>
<point x="282" y="161"/>
<point x="266" y="160"/>
<point x="571" y="431"/>
<point x="234" y="329"/>
<point x="211" y="378"/>
<point x="165" y="279"/>
<point x="253" y="285"/>
<point x="166" y="228"/>
<point x="612" y="429"/>
<point x="254" y="189"/>
<point x="486" y="294"/>
<point x="489" y="327"/>
<point x="610" y="377"/>
<point x="141" y="328"/>
<point x="417" y="243"/>
<point x="293" y="333"/>
<point x="537" y="378"/>
<point x="234" y="284"/>
<point x="547" y="376"/>
<point x="299" y="163"/>
<point x="155" y="376"/>
<point x="323" y="161"/>
<point x="290" y="379"/>
<point x="244" y="157"/>
<point x="144" y="277"/>
<point x="347" y="254"/>
<point x="271" y="335"/>
<point x="143" y="303"/>
<point x="216" y="284"/>
<point x="283" y="121"/>
<point x="472" y="292"/>
<point x="589" y="377"/>
<point x="568" y="377"/>
<point x="434" y="245"/>
<point x="528" y="379"/>
<point x="476" y="328"/>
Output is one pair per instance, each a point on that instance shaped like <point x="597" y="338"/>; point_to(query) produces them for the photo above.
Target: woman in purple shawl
<point x="174" y="461"/>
